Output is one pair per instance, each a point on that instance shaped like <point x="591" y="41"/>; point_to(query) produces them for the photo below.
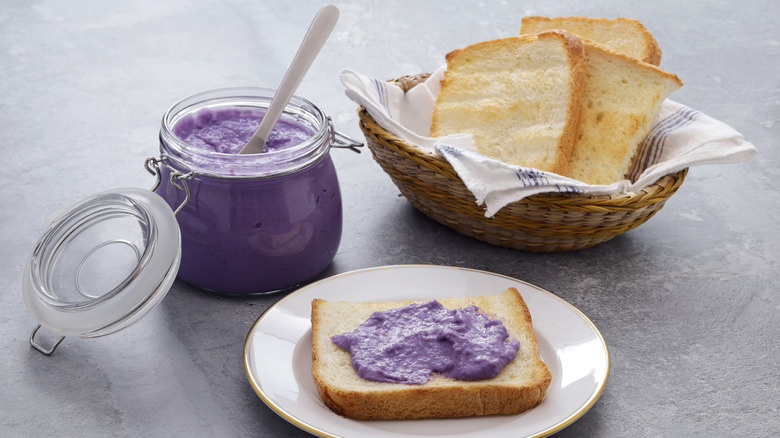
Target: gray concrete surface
<point x="687" y="303"/>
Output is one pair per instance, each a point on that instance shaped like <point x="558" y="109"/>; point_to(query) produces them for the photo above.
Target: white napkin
<point x="681" y="137"/>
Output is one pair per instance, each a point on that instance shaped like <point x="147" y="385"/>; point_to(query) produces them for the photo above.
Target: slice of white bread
<point x="621" y="98"/>
<point x="521" y="385"/>
<point x="626" y="35"/>
<point x="518" y="96"/>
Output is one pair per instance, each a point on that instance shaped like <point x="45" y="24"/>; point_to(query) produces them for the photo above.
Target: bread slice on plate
<point x="621" y="98"/>
<point x="518" y="96"/>
<point x="625" y="35"/>
<point x="520" y="386"/>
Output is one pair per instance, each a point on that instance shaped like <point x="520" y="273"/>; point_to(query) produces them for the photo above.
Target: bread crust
<point x="522" y="384"/>
<point x="569" y="136"/>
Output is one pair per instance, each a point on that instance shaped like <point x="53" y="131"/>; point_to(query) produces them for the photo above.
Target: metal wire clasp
<point x="339" y="140"/>
<point x="178" y="179"/>
<point x="37" y="346"/>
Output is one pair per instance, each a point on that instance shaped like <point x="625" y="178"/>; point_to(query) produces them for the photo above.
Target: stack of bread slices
<point x="569" y="95"/>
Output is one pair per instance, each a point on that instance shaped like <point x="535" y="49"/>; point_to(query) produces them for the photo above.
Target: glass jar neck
<point x="271" y="163"/>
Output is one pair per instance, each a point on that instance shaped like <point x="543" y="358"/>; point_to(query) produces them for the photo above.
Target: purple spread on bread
<point x="408" y="344"/>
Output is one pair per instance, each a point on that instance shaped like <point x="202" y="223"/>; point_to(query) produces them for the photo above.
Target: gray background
<point x="687" y="302"/>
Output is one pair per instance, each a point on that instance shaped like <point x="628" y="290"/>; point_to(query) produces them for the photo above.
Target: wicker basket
<point x="542" y="223"/>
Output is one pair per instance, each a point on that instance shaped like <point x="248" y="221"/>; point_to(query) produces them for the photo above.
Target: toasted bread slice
<point x="518" y="96"/>
<point x="625" y="35"/>
<point x="620" y="99"/>
<point x="521" y="385"/>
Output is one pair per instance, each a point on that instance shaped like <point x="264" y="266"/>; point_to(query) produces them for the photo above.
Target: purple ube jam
<point x="407" y="344"/>
<point x="254" y="223"/>
<point x="227" y="130"/>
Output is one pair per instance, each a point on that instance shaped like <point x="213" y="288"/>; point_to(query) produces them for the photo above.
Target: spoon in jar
<point x="315" y="38"/>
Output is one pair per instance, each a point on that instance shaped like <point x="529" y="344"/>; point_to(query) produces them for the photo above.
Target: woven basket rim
<point x="565" y="200"/>
<point x="546" y="222"/>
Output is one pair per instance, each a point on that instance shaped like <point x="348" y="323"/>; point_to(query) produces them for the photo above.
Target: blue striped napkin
<point x="680" y="137"/>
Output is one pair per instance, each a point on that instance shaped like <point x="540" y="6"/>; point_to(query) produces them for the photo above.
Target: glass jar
<point x="254" y="223"/>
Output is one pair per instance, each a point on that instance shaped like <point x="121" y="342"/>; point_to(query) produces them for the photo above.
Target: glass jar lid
<point x="102" y="264"/>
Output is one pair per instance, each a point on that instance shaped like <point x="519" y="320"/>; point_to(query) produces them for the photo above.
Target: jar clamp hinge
<point x="178" y="179"/>
<point x="339" y="140"/>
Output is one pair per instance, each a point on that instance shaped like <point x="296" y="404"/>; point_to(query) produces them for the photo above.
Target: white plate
<point x="277" y="354"/>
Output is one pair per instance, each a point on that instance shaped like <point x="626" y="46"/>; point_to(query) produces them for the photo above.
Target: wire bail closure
<point x="39" y="347"/>
<point x="178" y="179"/>
<point x="339" y="140"/>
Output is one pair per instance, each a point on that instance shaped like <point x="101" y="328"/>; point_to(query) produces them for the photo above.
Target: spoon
<point x="318" y="32"/>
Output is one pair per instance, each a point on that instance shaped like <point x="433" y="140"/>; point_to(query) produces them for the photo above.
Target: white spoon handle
<point x="315" y="38"/>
